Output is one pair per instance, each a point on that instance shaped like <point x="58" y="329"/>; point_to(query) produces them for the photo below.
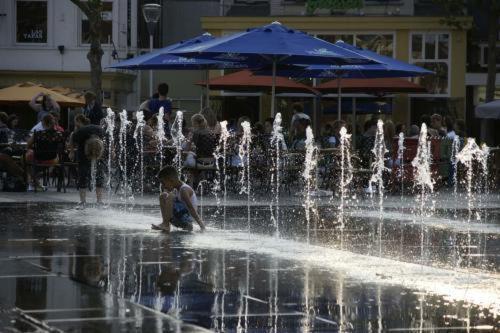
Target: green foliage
<point x="312" y="5"/>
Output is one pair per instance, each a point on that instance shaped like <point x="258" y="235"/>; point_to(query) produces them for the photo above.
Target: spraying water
<point x="401" y="149"/>
<point x="244" y="154"/>
<point x="455" y="148"/>
<point x="346" y="176"/>
<point x="123" y="152"/>
<point x="310" y="164"/>
<point x="423" y="181"/>
<point x="467" y="156"/>
<point x="220" y="155"/>
<point x="139" y="143"/>
<point x="93" y="175"/>
<point x="160" y="135"/>
<point x="178" y="138"/>
<point x="110" y="134"/>
<point x="277" y="143"/>
<point x="378" y="168"/>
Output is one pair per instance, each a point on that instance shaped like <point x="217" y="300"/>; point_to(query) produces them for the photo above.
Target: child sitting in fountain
<point x="178" y="202"/>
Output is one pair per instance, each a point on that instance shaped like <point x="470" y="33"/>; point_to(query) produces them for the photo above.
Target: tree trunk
<point x="95" y="56"/>
<point x="492" y="54"/>
<point x="93" y="10"/>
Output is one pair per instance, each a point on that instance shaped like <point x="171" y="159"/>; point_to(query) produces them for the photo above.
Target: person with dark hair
<point x="426" y="119"/>
<point x="5" y="132"/>
<point x="400" y="128"/>
<point x="437" y="124"/>
<point x="90" y="148"/>
<point x="177" y="203"/>
<point x="92" y="109"/>
<point x="48" y="104"/>
<point x="43" y="147"/>
<point x="268" y="126"/>
<point x="155" y="104"/>
<point x="299" y="138"/>
<point x="450" y="127"/>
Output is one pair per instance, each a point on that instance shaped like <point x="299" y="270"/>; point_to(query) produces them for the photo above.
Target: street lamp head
<point x="151" y="12"/>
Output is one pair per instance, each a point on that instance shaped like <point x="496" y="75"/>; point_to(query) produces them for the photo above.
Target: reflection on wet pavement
<point x="105" y="271"/>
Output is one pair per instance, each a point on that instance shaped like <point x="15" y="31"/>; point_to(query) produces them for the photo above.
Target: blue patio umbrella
<point x="383" y="67"/>
<point x="273" y="44"/>
<point x="161" y="59"/>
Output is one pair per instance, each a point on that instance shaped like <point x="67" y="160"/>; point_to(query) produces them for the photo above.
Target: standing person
<point x="155" y="104"/>
<point x="178" y="202"/>
<point x="90" y="147"/>
<point x="48" y="104"/>
<point x="92" y="109"/>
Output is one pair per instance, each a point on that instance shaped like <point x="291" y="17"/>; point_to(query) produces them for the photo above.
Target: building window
<point x="485" y="53"/>
<point x="106" y="25"/>
<point x="380" y="43"/>
<point x="31" y="21"/>
<point x="431" y="51"/>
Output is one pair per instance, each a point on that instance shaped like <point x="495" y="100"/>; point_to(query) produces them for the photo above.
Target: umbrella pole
<point x="207" y="90"/>
<point x="354" y="122"/>
<point x="273" y="89"/>
<point x="339" y="96"/>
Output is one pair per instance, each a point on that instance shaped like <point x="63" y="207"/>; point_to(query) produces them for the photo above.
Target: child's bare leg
<point x="98" y="193"/>
<point x="166" y="208"/>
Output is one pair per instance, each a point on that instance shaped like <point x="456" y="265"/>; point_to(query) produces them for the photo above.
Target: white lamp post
<point x="151" y="12"/>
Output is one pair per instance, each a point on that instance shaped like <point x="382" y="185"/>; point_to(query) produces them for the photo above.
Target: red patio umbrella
<point x="379" y="86"/>
<point x="245" y="81"/>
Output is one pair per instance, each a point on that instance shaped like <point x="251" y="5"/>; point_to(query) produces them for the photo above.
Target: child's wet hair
<point x="168" y="172"/>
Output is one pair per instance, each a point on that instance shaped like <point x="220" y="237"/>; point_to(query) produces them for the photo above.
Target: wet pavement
<point x="105" y="271"/>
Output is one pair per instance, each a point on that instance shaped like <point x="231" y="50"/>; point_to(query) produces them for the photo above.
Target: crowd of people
<point x="47" y="140"/>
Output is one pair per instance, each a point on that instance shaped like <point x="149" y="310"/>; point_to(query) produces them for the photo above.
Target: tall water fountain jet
<point x="160" y="134"/>
<point x="244" y="154"/>
<point x="378" y="168"/>
<point x="178" y="138"/>
<point x="400" y="159"/>
<point x="467" y="156"/>
<point x="220" y="156"/>
<point x="124" y="122"/>
<point x="110" y="135"/>
<point x="455" y="148"/>
<point x="346" y="176"/>
<point x="139" y="143"/>
<point x="423" y="181"/>
<point x="277" y="143"/>
<point x="309" y="175"/>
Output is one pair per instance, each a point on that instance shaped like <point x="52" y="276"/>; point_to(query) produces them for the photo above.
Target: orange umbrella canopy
<point x="24" y="92"/>
<point x="371" y="86"/>
<point x="246" y="81"/>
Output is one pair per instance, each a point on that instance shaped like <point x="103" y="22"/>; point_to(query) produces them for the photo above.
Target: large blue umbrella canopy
<point x="163" y="59"/>
<point x="273" y="44"/>
<point x="384" y="67"/>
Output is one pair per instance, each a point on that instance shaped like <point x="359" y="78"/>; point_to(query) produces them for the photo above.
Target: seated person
<point x="299" y="138"/>
<point x="203" y="140"/>
<point x="44" y="146"/>
<point x="177" y="203"/>
<point x="39" y="126"/>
